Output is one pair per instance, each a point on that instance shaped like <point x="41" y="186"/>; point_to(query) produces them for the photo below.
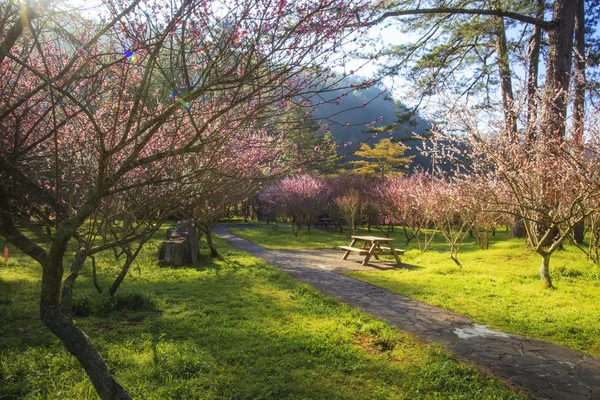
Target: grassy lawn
<point x="231" y="328"/>
<point x="282" y="237"/>
<point x="499" y="286"/>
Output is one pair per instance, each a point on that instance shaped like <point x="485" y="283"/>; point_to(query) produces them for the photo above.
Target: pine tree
<point x="385" y="158"/>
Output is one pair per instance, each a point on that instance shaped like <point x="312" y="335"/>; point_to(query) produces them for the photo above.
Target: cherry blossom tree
<point x="122" y="224"/>
<point x="551" y="184"/>
<point x="356" y="202"/>
<point x="145" y="95"/>
<point x="299" y="198"/>
<point x="240" y="174"/>
<point x="408" y="200"/>
<point x="352" y="207"/>
<point x="451" y="214"/>
<point x="485" y="216"/>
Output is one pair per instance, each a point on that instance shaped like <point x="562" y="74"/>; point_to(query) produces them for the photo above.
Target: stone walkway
<point x="540" y="369"/>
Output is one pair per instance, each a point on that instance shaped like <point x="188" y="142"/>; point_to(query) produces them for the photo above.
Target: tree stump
<point x="181" y="247"/>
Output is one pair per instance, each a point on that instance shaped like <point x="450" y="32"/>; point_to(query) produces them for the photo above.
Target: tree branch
<point x="546" y="25"/>
<point x="15" y="31"/>
<point x="22" y="242"/>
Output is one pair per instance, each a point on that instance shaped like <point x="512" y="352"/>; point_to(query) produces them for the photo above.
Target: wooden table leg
<point x="395" y="254"/>
<point x="375" y="255"/>
<point x="368" y="256"/>
<point x="348" y="251"/>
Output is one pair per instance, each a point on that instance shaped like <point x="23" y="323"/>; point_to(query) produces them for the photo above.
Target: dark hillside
<point x="348" y="112"/>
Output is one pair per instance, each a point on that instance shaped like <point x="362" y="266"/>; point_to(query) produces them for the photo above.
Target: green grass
<point x="282" y="237"/>
<point x="229" y="328"/>
<point x="240" y="221"/>
<point x="499" y="286"/>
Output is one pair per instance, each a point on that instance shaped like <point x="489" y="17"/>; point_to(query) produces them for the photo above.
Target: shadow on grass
<point x="381" y="265"/>
<point x="20" y="325"/>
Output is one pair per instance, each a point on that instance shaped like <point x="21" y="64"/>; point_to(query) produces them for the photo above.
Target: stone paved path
<point x="542" y="370"/>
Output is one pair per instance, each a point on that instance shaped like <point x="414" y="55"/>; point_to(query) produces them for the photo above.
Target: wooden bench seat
<point x="324" y="222"/>
<point x="398" y="251"/>
<point x="380" y="251"/>
<point x="362" y="252"/>
<point x="372" y="248"/>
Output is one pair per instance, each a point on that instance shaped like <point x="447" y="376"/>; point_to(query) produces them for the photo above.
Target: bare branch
<point x="546" y="25"/>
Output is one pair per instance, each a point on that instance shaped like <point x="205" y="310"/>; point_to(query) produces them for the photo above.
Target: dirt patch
<point x="371" y="346"/>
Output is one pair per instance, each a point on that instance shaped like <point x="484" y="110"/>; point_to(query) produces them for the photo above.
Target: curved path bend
<point x="542" y="370"/>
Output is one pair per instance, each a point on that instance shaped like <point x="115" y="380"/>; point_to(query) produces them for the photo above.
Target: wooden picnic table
<point x="324" y="222"/>
<point x="372" y="247"/>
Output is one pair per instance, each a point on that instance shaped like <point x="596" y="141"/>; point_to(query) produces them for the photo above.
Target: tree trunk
<point x="408" y="239"/>
<point x="579" y="94"/>
<point x="454" y="257"/>
<point x="532" y="79"/>
<point x="209" y="242"/>
<point x="128" y="261"/>
<point x="545" y="270"/>
<point x="508" y="100"/>
<point x="518" y="228"/>
<point x="66" y="301"/>
<point x="558" y="71"/>
<point x="74" y="340"/>
<point x="579" y="232"/>
<point x="579" y="74"/>
<point x="95" y="276"/>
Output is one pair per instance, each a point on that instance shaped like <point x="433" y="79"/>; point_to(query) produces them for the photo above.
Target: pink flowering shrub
<point x="299" y="198"/>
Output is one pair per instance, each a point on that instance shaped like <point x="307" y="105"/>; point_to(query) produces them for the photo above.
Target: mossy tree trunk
<point x="545" y="270"/>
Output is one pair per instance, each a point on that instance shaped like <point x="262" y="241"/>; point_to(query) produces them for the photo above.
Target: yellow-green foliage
<point x="384" y="159"/>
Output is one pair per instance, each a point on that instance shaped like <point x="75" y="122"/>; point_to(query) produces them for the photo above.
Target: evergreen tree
<point x="385" y="158"/>
<point x="314" y="151"/>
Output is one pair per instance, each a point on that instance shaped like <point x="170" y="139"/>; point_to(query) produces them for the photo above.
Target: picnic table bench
<point x="325" y="222"/>
<point x="372" y="247"/>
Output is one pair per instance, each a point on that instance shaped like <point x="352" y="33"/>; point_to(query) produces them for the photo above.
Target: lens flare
<point x="130" y="56"/>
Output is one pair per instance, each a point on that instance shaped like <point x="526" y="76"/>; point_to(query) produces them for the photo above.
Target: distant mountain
<point x="350" y="110"/>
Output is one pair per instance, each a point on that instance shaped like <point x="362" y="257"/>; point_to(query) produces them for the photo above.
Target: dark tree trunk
<point x="66" y="300"/>
<point x="532" y="79"/>
<point x="579" y="94"/>
<point x="579" y="232"/>
<point x="579" y="74"/>
<point x="95" y="276"/>
<point x="77" y="343"/>
<point x="407" y="237"/>
<point x="209" y="242"/>
<point x="518" y="228"/>
<point x="74" y="340"/>
<point x="508" y="100"/>
<point x="128" y="261"/>
<point x="558" y="71"/>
